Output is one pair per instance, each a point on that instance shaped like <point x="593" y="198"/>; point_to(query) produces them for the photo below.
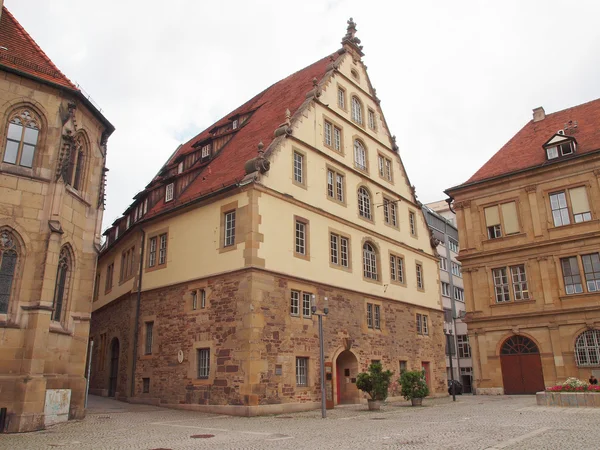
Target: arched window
<point x="364" y="203"/>
<point x="369" y="261"/>
<point x="357" y="115"/>
<point x="21" y="138"/>
<point x="360" y="155"/>
<point x="587" y="348"/>
<point x="76" y="163"/>
<point x="9" y="254"/>
<point x="61" y="288"/>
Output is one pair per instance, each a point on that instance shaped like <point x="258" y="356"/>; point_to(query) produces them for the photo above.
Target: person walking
<point x="593" y="380"/>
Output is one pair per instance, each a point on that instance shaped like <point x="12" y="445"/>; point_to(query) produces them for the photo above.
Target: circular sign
<point x="180" y="356"/>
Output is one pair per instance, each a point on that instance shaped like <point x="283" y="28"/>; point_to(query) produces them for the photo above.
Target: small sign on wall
<point x="56" y="408"/>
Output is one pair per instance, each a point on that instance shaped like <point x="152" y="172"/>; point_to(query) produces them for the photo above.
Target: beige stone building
<point x="51" y="202"/>
<point x="205" y="285"/>
<point x="530" y="241"/>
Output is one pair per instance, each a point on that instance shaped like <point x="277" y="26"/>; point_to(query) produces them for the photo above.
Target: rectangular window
<point x="412" y="222"/>
<point x="334" y="248"/>
<point x="389" y="212"/>
<point x="385" y="167"/>
<point x="301" y="371"/>
<point x="444" y="264"/>
<point x="501" y="220"/>
<point x="501" y="285"/>
<point x="372" y="119"/>
<point x="459" y="294"/>
<point x="194" y="300"/>
<point x="339" y="187"/>
<point x="109" y="277"/>
<point x="145" y="385"/>
<point x="344" y="252"/>
<point x="370" y="315"/>
<point x="306" y="304"/>
<point x="403" y="367"/>
<point x="456" y="270"/>
<point x="341" y="98"/>
<point x="453" y="245"/>
<point x="397" y="268"/>
<point x="205" y="151"/>
<point x="162" y="249"/>
<point x="422" y="324"/>
<point x="519" y="281"/>
<point x="445" y="289"/>
<point x="203" y="355"/>
<point x="149" y="337"/>
<point x="377" y="317"/>
<point x="335" y="185"/>
<point x="571" y="275"/>
<point x="419" y="270"/>
<point x="393" y="267"/>
<point x="298" y="168"/>
<point x="330" y="183"/>
<point x="235" y="123"/>
<point x="295" y="303"/>
<point x="96" y="287"/>
<point x="328" y="132"/>
<point x="580" y="205"/>
<point x="300" y="238"/>
<point x="168" y="193"/>
<point x="591" y="269"/>
<point x="380" y="165"/>
<point x="388" y="169"/>
<point x="464" y="349"/>
<point x="338" y="248"/>
<point x="229" y="228"/>
<point x="560" y="211"/>
<point x="337" y="139"/>
<point x="202" y="298"/>
<point x="419" y="329"/>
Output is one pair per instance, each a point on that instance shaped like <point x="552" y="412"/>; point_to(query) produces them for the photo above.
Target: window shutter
<point x="579" y="200"/>
<point x="491" y="216"/>
<point x="509" y="214"/>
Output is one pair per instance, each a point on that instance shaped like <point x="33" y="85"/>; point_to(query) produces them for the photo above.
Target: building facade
<point x="205" y="285"/>
<point x="51" y="201"/>
<point x="530" y="241"/>
<point x="452" y="292"/>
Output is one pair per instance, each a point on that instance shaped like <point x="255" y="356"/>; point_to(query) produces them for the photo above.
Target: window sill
<point x="554" y="229"/>
<point x="582" y="295"/>
<point x="75" y="193"/>
<point x="371" y="280"/>
<point x="56" y="327"/>
<point x="517" y="302"/>
<point x="301" y="256"/>
<point x="340" y="267"/>
<point x="503" y="238"/>
<point x="398" y="283"/>
<point x="334" y="200"/>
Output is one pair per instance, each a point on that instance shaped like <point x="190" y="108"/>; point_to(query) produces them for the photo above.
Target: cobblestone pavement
<point x="473" y="422"/>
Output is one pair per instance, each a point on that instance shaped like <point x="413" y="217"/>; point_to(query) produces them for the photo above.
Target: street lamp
<point x="313" y="309"/>
<point x="452" y="384"/>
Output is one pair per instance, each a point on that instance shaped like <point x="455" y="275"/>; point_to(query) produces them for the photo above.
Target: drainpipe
<point x="137" y="314"/>
<point x="452" y="300"/>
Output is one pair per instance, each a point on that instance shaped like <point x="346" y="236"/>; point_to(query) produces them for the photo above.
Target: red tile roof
<point x="227" y="166"/>
<point x="23" y="54"/>
<point x="525" y="150"/>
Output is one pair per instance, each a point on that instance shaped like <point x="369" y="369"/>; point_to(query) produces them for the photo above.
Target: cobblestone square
<point x="473" y="422"/>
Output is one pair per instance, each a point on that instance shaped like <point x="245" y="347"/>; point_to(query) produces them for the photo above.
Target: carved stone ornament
<point x="259" y="163"/>
<point x="55" y="226"/>
<point x="350" y="38"/>
<point x="531" y="188"/>
<point x="286" y="127"/>
<point x="348" y="343"/>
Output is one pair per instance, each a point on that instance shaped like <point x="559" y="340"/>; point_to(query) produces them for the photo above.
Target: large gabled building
<point x="52" y="167"/>
<point x="204" y="287"/>
<point x="529" y="230"/>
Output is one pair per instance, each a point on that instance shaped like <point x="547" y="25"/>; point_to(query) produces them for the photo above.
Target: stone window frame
<point x="197" y="288"/>
<point x="225" y="209"/>
<point x="66" y="252"/>
<point x="355" y="97"/>
<point x="375" y="305"/>
<point x="193" y="363"/>
<point x="366" y="170"/>
<point x="155" y="337"/>
<point x="340" y="235"/>
<point x="40" y="148"/>
<point x="390" y="201"/>
<point x="81" y="163"/>
<point x="422" y="324"/>
<point x="15" y="289"/>
<point x="306" y="223"/>
<point x="309" y="377"/>
<point x="371" y="115"/>
<point x="156" y="234"/>
<point x="371" y="220"/>
<point x="382" y="158"/>
<point x="301" y="288"/>
<point x="566" y="189"/>
<point x="336" y="172"/>
<point x="304" y="155"/>
<point x="419" y="264"/>
<point x="510" y="283"/>
<point x="581" y="346"/>
<point x="334" y="125"/>
<point x="398" y="256"/>
<point x="377" y="249"/>
<point x="412" y="223"/>
<point x="109" y="277"/>
<point x="498" y="204"/>
<point x="345" y="91"/>
<point x="128" y="264"/>
<point x="581" y="273"/>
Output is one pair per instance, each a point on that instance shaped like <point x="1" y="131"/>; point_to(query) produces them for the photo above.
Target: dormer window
<point x="559" y="145"/>
<point x="235" y="124"/>
<point x="169" y="192"/>
<point x="180" y="167"/>
<point x="205" y="151"/>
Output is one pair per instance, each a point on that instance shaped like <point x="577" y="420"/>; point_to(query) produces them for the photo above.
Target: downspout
<point x="137" y="314"/>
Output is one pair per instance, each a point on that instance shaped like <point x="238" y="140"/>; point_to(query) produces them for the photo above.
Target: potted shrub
<point x="414" y="386"/>
<point x="375" y="382"/>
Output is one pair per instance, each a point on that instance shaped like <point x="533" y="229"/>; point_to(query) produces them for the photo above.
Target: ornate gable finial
<point x="350" y="41"/>
<point x="351" y="29"/>
<point x="261" y="146"/>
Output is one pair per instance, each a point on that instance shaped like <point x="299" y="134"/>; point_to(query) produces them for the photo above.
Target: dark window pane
<point x="7" y="272"/>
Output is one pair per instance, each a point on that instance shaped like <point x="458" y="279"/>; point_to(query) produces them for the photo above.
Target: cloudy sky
<point x="457" y="79"/>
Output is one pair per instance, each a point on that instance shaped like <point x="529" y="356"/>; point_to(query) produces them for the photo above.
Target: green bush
<point x="413" y="385"/>
<point x="375" y="382"/>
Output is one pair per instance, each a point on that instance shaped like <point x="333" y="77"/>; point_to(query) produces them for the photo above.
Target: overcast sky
<point x="456" y="79"/>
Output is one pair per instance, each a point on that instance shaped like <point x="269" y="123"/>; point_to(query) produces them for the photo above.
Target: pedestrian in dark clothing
<point x="593" y="380"/>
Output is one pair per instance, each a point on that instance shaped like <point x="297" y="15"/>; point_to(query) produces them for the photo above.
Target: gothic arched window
<point x="9" y="255"/>
<point x="21" y="138"/>
<point x="61" y="288"/>
<point x="75" y="169"/>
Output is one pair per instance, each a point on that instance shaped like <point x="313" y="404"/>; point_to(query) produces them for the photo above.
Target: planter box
<point x="569" y="399"/>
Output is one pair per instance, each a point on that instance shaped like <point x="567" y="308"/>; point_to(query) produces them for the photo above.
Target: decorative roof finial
<point x="350" y="41"/>
<point x="260" y="148"/>
<point x="288" y="116"/>
<point x="351" y="30"/>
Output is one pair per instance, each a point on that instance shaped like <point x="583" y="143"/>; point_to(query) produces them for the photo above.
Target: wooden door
<point x="425" y="366"/>
<point x="521" y="366"/>
<point x="531" y="373"/>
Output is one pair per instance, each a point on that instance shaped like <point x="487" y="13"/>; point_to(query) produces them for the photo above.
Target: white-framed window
<point x="149" y="338"/>
<point x="162" y="249"/>
<point x="519" y="282"/>
<point x="202" y="298"/>
<point x="456" y="269"/>
<point x="364" y="203"/>
<point x="369" y="315"/>
<point x="560" y="210"/>
<point x="338" y="249"/>
<point x="419" y="272"/>
<point x="301" y="371"/>
<point x="341" y="98"/>
<point x="464" y="349"/>
<point x="587" y="349"/>
<point x="169" y="192"/>
<point x="22" y="139"/>
<point x="570" y="208"/>
<point x="501" y="285"/>
<point x="203" y="356"/>
<point x="335" y="185"/>
<point x="328" y="132"/>
<point x="205" y="151"/>
<point x="453" y="245"/>
<point x="459" y="294"/>
<point x="445" y="289"/>
<point x="377" y="317"/>
<point x="412" y="221"/>
<point x="180" y="167"/>
<point x="337" y="139"/>
<point x="501" y="220"/>
<point x="357" y="114"/>
<point x="369" y="261"/>
<point x="397" y="268"/>
<point x="306" y="296"/>
<point x="566" y="148"/>
<point x="444" y="264"/>
<point x="390" y="215"/>
<point x="385" y="167"/>
<point x="572" y="273"/>
<point x="298" y="168"/>
<point x="128" y="224"/>
<point x="152" y="252"/>
<point x="295" y="303"/>
<point x="235" y="124"/>
<point x="300" y="247"/>
<point x="360" y="155"/>
<point x="194" y="300"/>
<point x="422" y="324"/>
<point x="229" y="228"/>
<point x="372" y="122"/>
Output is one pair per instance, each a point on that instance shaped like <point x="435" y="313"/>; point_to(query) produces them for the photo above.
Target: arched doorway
<point x="346" y="369"/>
<point x="521" y="366"/>
<point x="114" y="367"/>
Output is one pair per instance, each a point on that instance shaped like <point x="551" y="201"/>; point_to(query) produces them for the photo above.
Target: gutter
<point x="137" y="315"/>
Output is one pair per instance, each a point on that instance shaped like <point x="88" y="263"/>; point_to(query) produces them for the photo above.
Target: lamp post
<point x="448" y="344"/>
<point x="313" y="309"/>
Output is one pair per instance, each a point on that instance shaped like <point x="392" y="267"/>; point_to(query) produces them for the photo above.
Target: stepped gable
<point x="525" y="150"/>
<point x="227" y="167"/>
<point x="23" y="54"/>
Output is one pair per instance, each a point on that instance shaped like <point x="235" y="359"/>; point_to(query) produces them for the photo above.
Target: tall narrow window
<point x="149" y="337"/>
<point x="364" y="203"/>
<point x="203" y="355"/>
<point x="194" y="300"/>
<point x="591" y="269"/>
<point x="377" y="317"/>
<point x="571" y="275"/>
<point x="61" y="288"/>
<point x="580" y="204"/>
<point x="202" y="298"/>
<point x="519" y="280"/>
<point x="388" y="169"/>
<point x="76" y="163"/>
<point x="501" y="285"/>
<point x="298" y="168"/>
<point x="300" y="247"/>
<point x="393" y="268"/>
<point x="389" y="212"/>
<point x="459" y="294"/>
<point x="328" y="133"/>
<point x="412" y="223"/>
<point x="9" y="254"/>
<point x="339" y="187"/>
<point x="360" y="155"/>
<point x="295" y="303"/>
<point x="96" y="288"/>
<point x="337" y="139"/>
<point x="330" y="183"/>
<point x="169" y="192"/>
<point x="306" y="304"/>
<point x="302" y="371"/>
<point x="229" y="228"/>
<point x="372" y="124"/>
<point x="445" y="289"/>
<point x="464" y="349"/>
<point x="560" y="211"/>
<point x="152" y="252"/>
<point x="370" y="315"/>
<point x="341" y="98"/>
<point x="369" y="261"/>
<point x="110" y="269"/>
<point x="397" y="268"/>
<point x="334" y="248"/>
<point x="335" y="185"/>
<point x="419" y="271"/>
<point x="162" y="249"/>
<point x="21" y="138"/>
<point x="357" y="114"/>
<point x="344" y="251"/>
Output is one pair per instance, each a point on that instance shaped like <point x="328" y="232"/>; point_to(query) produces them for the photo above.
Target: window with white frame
<point x="162" y="249"/>
<point x="520" y="288"/>
<point x="338" y="247"/>
<point x="519" y="282"/>
<point x="456" y="270"/>
<point x="459" y="294"/>
<point x="328" y="133"/>
<point x="377" y="317"/>
<point x="587" y="349"/>
<point x="453" y="245"/>
<point x="390" y="215"/>
<point x="369" y="261"/>
<point x="444" y="264"/>
<point x="572" y="273"/>
<point x="397" y="268"/>
<point x="422" y="324"/>
<point x="369" y="315"/>
<point x="372" y="122"/>
<point x="464" y="349"/>
<point x="412" y="221"/>
<point x="341" y="98"/>
<point x="337" y="139"/>
<point x="300" y="238"/>
<point x="573" y="207"/>
<point x="205" y="151"/>
<point x="306" y="297"/>
<point x="445" y="289"/>
<point x="501" y="289"/>
<point x="298" y="168"/>
<point x="419" y="272"/>
<point x="385" y="167"/>
<point x="364" y="203"/>
<point x="152" y="252"/>
<point x="169" y="192"/>
<point x="357" y="114"/>
<point x="295" y="303"/>
<point x="501" y="220"/>
<point x="203" y="356"/>
<point x="360" y="155"/>
<point x="335" y="185"/>
<point x="301" y="371"/>
<point x="229" y="228"/>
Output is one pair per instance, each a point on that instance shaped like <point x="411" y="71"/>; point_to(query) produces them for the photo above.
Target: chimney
<point x="539" y="114"/>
